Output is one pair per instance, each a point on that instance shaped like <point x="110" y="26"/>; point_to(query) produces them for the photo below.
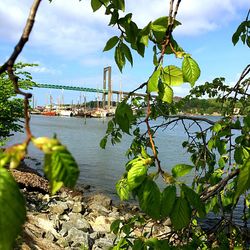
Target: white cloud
<point x="196" y="16"/>
<point x="43" y="70"/>
<point x="71" y="29"/>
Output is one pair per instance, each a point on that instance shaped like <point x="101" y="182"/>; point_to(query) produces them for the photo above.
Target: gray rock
<point x="84" y="225"/>
<point x="59" y="208"/>
<point x="167" y="222"/>
<point x="102" y="224"/>
<point x="64" y="217"/>
<point x="77" y="198"/>
<point x="97" y="235"/>
<point x="55" y="218"/>
<point x="49" y="236"/>
<point x="70" y="204"/>
<point x="64" y="195"/>
<point x="77" y="207"/>
<point x="115" y="215"/>
<point x="62" y="242"/>
<point x="41" y="221"/>
<point x="102" y="200"/>
<point x="103" y="243"/>
<point x="99" y="209"/>
<point x="66" y="226"/>
<point x="79" y="238"/>
<point x="74" y="216"/>
<point x="46" y="198"/>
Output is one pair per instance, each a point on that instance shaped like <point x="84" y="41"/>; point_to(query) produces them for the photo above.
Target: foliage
<point x="219" y="150"/>
<point x="12" y="108"/>
<point x="243" y="32"/>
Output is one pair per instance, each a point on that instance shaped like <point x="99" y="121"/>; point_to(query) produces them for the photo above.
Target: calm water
<point x="102" y="168"/>
<point x="99" y="168"/>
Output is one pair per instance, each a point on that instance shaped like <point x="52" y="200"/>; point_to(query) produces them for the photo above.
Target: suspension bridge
<point x="104" y="91"/>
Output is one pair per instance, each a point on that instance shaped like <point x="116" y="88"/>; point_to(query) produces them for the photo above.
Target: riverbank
<point x="71" y="219"/>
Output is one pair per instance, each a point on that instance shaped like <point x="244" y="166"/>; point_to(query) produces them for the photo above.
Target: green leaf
<point x="119" y="58"/>
<point x="191" y="70"/>
<point x="124" y="116"/>
<point x="115" y="226"/>
<point x="96" y="4"/>
<point x="122" y="189"/>
<point x="172" y="76"/>
<point x="243" y="182"/>
<point x="114" y="17"/>
<point x="111" y="43"/>
<point x="103" y="142"/>
<point x="140" y="48"/>
<point x="144" y="153"/>
<point x="181" y="213"/>
<point x="136" y="175"/>
<point x="12" y="210"/>
<point x="217" y="127"/>
<point x="211" y="144"/>
<point x="149" y="196"/>
<point x="144" y="34"/>
<point x="153" y="81"/>
<point x="155" y="60"/>
<point x="194" y="200"/>
<point x="238" y="155"/>
<point x="165" y="92"/>
<point x="157" y="244"/>
<point x="176" y="47"/>
<point x="125" y="49"/>
<point x="119" y="4"/>
<point x="131" y="32"/>
<point x="167" y="200"/>
<point x="60" y="168"/>
<point x="139" y="244"/>
<point x="241" y="29"/>
<point x="159" y="27"/>
<point x="161" y="24"/>
<point x="181" y="170"/>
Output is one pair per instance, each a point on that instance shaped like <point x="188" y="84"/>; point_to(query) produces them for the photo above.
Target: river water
<point x="102" y="168"/>
<point x="99" y="168"/>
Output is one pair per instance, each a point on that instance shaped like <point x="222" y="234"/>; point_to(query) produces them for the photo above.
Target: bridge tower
<point x="107" y="70"/>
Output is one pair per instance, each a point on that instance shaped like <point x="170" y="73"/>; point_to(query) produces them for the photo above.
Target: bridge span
<point x="105" y="92"/>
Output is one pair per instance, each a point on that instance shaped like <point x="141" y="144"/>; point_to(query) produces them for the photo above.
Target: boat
<point x="99" y="113"/>
<point x="64" y="112"/>
<point x="49" y="112"/>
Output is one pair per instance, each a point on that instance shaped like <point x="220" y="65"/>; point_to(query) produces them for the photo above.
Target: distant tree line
<point x="208" y="106"/>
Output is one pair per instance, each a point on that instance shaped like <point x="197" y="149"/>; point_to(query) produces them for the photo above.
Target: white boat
<point x="99" y="113"/>
<point x="64" y="112"/>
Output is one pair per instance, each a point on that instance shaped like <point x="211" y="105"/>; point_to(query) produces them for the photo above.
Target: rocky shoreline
<point x="71" y="219"/>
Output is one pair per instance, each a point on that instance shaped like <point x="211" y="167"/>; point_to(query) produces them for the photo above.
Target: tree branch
<point x="8" y="65"/>
<point x="211" y="191"/>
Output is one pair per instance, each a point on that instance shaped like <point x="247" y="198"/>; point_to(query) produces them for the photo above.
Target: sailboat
<point x="48" y="111"/>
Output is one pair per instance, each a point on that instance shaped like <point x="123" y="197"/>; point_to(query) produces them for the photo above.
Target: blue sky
<point x="67" y="42"/>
